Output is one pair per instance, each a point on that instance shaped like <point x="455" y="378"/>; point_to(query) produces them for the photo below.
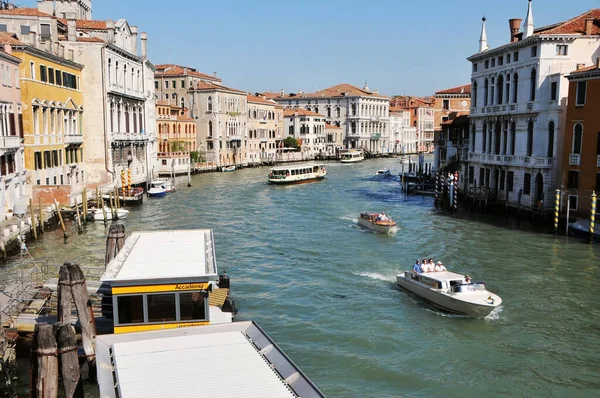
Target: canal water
<point x="324" y="289"/>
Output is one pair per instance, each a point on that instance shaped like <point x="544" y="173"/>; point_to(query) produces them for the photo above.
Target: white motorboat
<point x="383" y="173"/>
<point x="98" y="214"/>
<point x="228" y="168"/>
<point x="374" y="221"/>
<point x="297" y="173"/>
<point x="157" y="192"/>
<point x="450" y="292"/>
<point x="352" y="156"/>
<point x="165" y="183"/>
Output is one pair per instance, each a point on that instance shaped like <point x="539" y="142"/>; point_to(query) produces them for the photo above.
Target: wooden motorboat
<point x="377" y="221"/>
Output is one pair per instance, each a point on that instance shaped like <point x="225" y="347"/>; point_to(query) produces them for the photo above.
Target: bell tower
<point x="61" y="8"/>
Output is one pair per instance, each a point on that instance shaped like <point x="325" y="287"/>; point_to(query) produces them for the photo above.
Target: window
<point x="173" y="84"/>
<point x="32" y="69"/>
<point x="486" y="64"/>
<point x="210" y="129"/>
<point x="533" y="51"/>
<point x="51" y="75"/>
<point x="553" y="91"/>
<point x="446" y="104"/>
<point x="530" y="139"/>
<point x="508" y="58"/>
<point x="561" y="49"/>
<point x="43" y="76"/>
<point x="183" y="84"/>
<point x="25" y="29"/>
<point x="527" y="184"/>
<point x="471" y="174"/>
<point x="166" y="84"/>
<point x="45" y="31"/>
<point x="573" y="179"/>
<point x="210" y="105"/>
<point x="59" y="78"/>
<point x="161" y="307"/>
<point x="485" y="92"/>
<point x="516" y="56"/>
<point x="131" y="309"/>
<point x="573" y="199"/>
<point x="500" y="61"/>
<point x="37" y="158"/>
<point x="493" y="62"/>
<point x="532" y="85"/>
<point x="502" y="179"/>
<point x="156" y="85"/>
<point x="192" y="306"/>
<point x="515" y="88"/>
<point x="577" y="138"/>
<point x="550" y="152"/>
<point x="474" y="94"/>
<point x="581" y="91"/>
<point x="474" y="66"/>
<point x="510" y="177"/>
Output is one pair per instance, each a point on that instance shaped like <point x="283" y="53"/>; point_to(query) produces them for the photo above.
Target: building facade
<point x="81" y="9"/>
<point x="402" y="133"/>
<point x="176" y="138"/>
<point x="308" y="128"/>
<point x="14" y="187"/>
<point x="361" y="113"/>
<point x="450" y="103"/>
<point x="422" y="119"/>
<point x="172" y="83"/>
<point x="581" y="152"/>
<point x="518" y="104"/>
<point x="262" y="130"/>
<point x="334" y="140"/>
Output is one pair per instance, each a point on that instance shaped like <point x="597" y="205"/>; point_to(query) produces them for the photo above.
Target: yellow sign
<point x="159" y="288"/>
<point x="162" y="326"/>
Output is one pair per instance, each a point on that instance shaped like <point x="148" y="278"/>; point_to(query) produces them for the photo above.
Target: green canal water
<point x="324" y="289"/>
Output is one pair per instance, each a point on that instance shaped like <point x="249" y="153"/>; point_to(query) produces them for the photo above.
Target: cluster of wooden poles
<point x="446" y="187"/>
<point x="557" y="202"/>
<point x="54" y="347"/>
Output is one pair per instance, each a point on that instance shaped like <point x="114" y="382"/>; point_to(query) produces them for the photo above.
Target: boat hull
<point x="157" y="192"/>
<point x="384" y="227"/>
<point x="300" y="181"/>
<point x="98" y="215"/>
<point x="450" y="303"/>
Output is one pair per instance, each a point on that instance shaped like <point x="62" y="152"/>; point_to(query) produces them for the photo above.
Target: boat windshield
<point x="469" y="287"/>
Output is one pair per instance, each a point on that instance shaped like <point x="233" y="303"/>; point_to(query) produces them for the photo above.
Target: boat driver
<point x="439" y="267"/>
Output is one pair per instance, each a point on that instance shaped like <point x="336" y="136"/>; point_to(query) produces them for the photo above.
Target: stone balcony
<point x="73" y="138"/>
<point x="234" y="137"/>
<point x="10" y="142"/>
<point x="574" y="159"/>
<point x="129" y="137"/>
<point x="523" y="107"/>
<point x="512" y="160"/>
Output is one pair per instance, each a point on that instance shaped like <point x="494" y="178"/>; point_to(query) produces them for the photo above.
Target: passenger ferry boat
<point x="297" y="173"/>
<point x="370" y="220"/>
<point x="166" y="280"/>
<point x="450" y="292"/>
<point x="352" y="156"/>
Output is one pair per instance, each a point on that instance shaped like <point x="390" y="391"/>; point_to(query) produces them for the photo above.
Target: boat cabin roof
<point x="298" y="166"/>
<point x="371" y="213"/>
<point x="443" y="276"/>
<point x="155" y="257"/>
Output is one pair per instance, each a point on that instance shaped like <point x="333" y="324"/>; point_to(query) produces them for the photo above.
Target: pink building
<point x="13" y="186"/>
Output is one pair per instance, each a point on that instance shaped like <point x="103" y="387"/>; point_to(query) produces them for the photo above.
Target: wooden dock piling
<point x="78" y="215"/>
<point x="41" y="217"/>
<point x="44" y="356"/>
<point x="65" y="295"/>
<point x="69" y="363"/>
<point x="33" y="223"/>
<point x="84" y="200"/>
<point x="114" y="241"/>
<point x="60" y="218"/>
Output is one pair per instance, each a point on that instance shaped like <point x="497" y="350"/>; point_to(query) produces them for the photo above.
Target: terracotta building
<point x="450" y="103"/>
<point x="421" y="117"/>
<point x="581" y="152"/>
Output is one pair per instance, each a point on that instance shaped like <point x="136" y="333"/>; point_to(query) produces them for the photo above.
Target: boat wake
<point x="376" y="276"/>
<point x="495" y="314"/>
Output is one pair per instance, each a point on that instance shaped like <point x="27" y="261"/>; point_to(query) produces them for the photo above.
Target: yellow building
<point x="52" y="121"/>
<point x="176" y="138"/>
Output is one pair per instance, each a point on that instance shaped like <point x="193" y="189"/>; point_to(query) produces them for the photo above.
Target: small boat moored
<point x="297" y="173"/>
<point x="377" y="221"/>
<point x="450" y="292"/>
<point x="228" y="168"/>
<point x="581" y="229"/>
<point x="383" y="173"/>
<point x="98" y="214"/>
<point x="165" y="183"/>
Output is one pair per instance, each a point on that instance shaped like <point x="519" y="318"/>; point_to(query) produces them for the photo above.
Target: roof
<point x="574" y="25"/>
<point x="25" y="12"/>
<point x="10" y="38"/>
<point x="90" y="40"/>
<point x="205" y="86"/>
<point x="258" y="100"/>
<point x="270" y="94"/>
<point x="165" y="363"/>
<point x="331" y="126"/>
<point x="339" y="90"/>
<point x="465" y="89"/>
<point x="178" y="70"/>
<point x="397" y="109"/>
<point x="461" y="119"/>
<point x="300" y="112"/>
<point x="164" y="256"/>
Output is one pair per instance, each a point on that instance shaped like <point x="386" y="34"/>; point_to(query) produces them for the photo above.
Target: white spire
<point x="528" y="29"/>
<point x="366" y="87"/>
<point x="483" y="44"/>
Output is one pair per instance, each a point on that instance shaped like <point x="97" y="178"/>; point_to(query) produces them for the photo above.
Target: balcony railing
<point x="511" y="160"/>
<point x="574" y="159"/>
<point x="8" y="142"/>
<point x="73" y="138"/>
<point x="129" y="137"/>
<point x="234" y="137"/>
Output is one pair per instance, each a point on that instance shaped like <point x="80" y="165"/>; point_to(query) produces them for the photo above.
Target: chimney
<point x="589" y="24"/>
<point x="580" y="66"/>
<point x="134" y="33"/>
<point x="144" y="40"/>
<point x="110" y="29"/>
<point x="215" y="75"/>
<point x="515" y="26"/>
<point x="71" y="27"/>
<point x="282" y="93"/>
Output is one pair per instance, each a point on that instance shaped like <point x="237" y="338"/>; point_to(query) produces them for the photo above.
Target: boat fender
<point x="224" y="282"/>
<point x="229" y="305"/>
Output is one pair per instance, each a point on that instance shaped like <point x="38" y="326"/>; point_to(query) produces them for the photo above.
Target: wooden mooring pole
<point x="84" y="200"/>
<point x="41" y="217"/>
<point x="44" y="366"/>
<point x="69" y="363"/>
<point x="62" y="223"/>
<point x="33" y="223"/>
<point x="65" y="295"/>
<point x="114" y="241"/>
<point x="79" y="224"/>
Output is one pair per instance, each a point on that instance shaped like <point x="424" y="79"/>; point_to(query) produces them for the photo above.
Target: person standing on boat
<point x="425" y="266"/>
<point x="440" y="267"/>
<point x="417" y="267"/>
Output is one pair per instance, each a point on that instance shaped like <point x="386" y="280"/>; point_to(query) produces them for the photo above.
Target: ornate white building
<point x="262" y="130"/>
<point x="308" y="127"/>
<point x="402" y="133"/>
<point x="518" y="101"/>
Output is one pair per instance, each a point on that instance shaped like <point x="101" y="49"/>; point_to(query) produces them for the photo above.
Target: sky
<point x="398" y="47"/>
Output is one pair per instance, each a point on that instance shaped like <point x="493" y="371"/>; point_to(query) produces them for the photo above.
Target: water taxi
<point x="352" y="156"/>
<point x="228" y="169"/>
<point x="165" y="183"/>
<point x="297" y="173"/>
<point x="383" y="173"/>
<point x="98" y="214"/>
<point x="166" y="280"/>
<point x="377" y="221"/>
<point x="450" y="292"/>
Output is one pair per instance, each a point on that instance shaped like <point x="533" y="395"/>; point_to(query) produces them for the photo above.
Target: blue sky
<point x="399" y="47"/>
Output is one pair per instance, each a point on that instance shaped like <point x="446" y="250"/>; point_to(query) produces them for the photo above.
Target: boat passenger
<point x="467" y="279"/>
<point x="425" y="266"/>
<point x="417" y="267"/>
<point x="440" y="267"/>
<point x="431" y="265"/>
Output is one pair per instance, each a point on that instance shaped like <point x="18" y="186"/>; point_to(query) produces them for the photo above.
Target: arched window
<point x="577" y="138"/>
<point x="473" y="135"/>
<point x="474" y="91"/>
<point x="210" y="104"/>
<point x="515" y="88"/>
<point x="210" y="129"/>
<point x="500" y="90"/>
<point x="550" y="139"/>
<point x="485" y="92"/>
<point x="492" y="86"/>
<point x="532" y="86"/>
<point x="530" y="139"/>
<point x="484" y="138"/>
<point x="109" y="71"/>
<point x="513" y="137"/>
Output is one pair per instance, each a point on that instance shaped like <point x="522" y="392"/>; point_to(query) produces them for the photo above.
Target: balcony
<point x="10" y="142"/>
<point x="234" y="137"/>
<point x="74" y="139"/>
<point x="574" y="159"/>
<point x="511" y="160"/>
<point x="129" y="137"/>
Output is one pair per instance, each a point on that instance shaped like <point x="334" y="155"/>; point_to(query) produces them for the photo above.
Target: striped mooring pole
<point x="593" y="216"/>
<point x="123" y="179"/>
<point x="455" y="190"/>
<point x="437" y="187"/>
<point x="556" y="208"/>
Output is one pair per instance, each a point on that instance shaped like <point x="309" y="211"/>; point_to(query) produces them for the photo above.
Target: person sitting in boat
<point x="468" y="279"/>
<point x="439" y="267"/>
<point x="382" y="217"/>
<point x="425" y="266"/>
<point x="417" y="267"/>
<point x="431" y="265"/>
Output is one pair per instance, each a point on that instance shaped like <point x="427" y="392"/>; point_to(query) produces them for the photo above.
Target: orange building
<point x="581" y="152"/>
<point x="176" y="130"/>
<point x="451" y="103"/>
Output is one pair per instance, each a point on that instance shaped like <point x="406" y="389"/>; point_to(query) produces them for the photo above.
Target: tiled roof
<point x="255" y="99"/>
<point x="201" y="86"/>
<point x="10" y="38"/>
<point x="461" y="119"/>
<point x="162" y="103"/>
<point x="25" y="12"/>
<point x="300" y="112"/>
<point x="85" y="24"/>
<point x="331" y="126"/>
<point x="178" y="70"/>
<point x="406" y="102"/>
<point x="466" y="89"/>
<point x="270" y="94"/>
<point x="574" y="25"/>
<point x="90" y="40"/>
<point x="339" y="90"/>
<point x="397" y="109"/>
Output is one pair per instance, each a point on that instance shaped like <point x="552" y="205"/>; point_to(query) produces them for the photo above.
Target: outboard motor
<point x="224" y="281"/>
